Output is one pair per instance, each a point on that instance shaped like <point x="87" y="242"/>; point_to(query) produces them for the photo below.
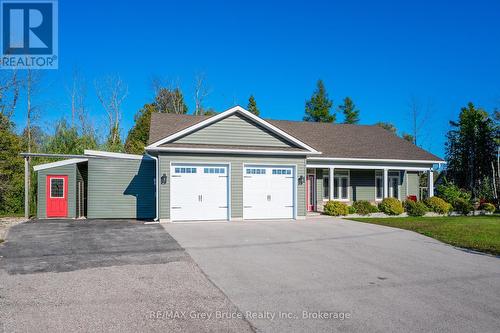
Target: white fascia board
<point x="59" y="163"/>
<point x="236" y="109"/>
<point x="98" y="153"/>
<point x="229" y="151"/>
<point x="340" y="159"/>
<point x="367" y="167"/>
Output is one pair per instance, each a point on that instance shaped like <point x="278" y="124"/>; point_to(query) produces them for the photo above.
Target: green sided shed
<point x="106" y="185"/>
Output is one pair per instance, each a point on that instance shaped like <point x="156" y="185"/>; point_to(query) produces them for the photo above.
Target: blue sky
<point x="380" y="53"/>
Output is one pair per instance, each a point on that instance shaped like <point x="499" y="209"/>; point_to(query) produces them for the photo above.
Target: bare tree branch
<point x="111" y="92"/>
<point x="201" y="91"/>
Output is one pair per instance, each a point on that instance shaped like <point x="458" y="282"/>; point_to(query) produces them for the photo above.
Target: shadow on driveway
<point x="69" y="245"/>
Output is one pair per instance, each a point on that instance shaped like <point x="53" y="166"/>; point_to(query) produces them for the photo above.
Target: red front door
<point x="311" y="193"/>
<point x="57" y="196"/>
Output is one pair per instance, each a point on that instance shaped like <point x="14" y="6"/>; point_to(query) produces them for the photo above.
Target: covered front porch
<point x="349" y="182"/>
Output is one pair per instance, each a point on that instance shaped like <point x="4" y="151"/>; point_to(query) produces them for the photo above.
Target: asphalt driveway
<point x="116" y="276"/>
<point x="378" y="279"/>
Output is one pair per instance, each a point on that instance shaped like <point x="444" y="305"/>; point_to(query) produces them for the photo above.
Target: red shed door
<point x="57" y="196"/>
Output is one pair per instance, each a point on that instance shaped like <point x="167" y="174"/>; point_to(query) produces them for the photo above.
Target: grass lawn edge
<point x="473" y="233"/>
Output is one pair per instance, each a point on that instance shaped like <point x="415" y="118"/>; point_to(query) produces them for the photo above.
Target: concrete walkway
<point x="384" y="279"/>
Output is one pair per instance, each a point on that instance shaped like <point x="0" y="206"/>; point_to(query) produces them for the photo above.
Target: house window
<point x="341" y="185"/>
<point x="57" y="188"/>
<point x="379" y="185"/>
<point x="326" y="187"/>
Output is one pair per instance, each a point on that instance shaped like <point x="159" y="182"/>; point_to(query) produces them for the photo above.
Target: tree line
<point x="471" y="148"/>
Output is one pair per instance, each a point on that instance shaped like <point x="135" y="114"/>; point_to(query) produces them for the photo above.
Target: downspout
<point x="157" y="190"/>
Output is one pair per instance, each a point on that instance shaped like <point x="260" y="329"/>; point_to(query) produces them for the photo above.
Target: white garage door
<point x="199" y="192"/>
<point x="268" y="192"/>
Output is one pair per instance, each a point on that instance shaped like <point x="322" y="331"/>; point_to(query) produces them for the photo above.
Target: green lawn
<point x="11" y="215"/>
<point x="480" y="233"/>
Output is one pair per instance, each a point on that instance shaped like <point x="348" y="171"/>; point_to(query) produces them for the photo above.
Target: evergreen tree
<point x="388" y="126"/>
<point x="351" y="113"/>
<point x="11" y="169"/>
<point x="471" y="149"/>
<point x="408" y="137"/>
<point x="252" y="106"/>
<point x="138" y="135"/>
<point x="318" y="107"/>
<point x="114" y="141"/>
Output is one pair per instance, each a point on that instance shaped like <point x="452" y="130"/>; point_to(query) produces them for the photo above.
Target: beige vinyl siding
<point x="236" y="163"/>
<point x="64" y="170"/>
<point x="121" y="188"/>
<point x="234" y="130"/>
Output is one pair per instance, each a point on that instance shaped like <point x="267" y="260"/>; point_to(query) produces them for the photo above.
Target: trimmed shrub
<point x="351" y="210"/>
<point x="462" y="206"/>
<point x="363" y="207"/>
<point x="451" y="192"/>
<point x="415" y="208"/>
<point x="391" y="206"/>
<point x="488" y="207"/>
<point x="438" y="205"/>
<point x="335" y="208"/>
<point x="374" y="209"/>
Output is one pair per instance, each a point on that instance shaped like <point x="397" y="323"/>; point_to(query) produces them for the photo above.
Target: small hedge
<point x="488" y="207"/>
<point x="415" y="208"/>
<point x="364" y="207"/>
<point x="335" y="208"/>
<point x="462" y="206"/>
<point x="438" y="205"/>
<point x="351" y="210"/>
<point x="391" y="206"/>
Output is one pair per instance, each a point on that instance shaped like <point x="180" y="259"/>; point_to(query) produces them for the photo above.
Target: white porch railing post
<point x="386" y="183"/>
<point x="331" y="182"/>
<point x="430" y="183"/>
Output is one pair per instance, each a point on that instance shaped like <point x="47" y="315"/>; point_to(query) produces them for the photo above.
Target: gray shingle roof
<point x="333" y="140"/>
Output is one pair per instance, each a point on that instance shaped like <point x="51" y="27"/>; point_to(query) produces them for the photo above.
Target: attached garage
<point x="268" y="192"/>
<point x="199" y="192"/>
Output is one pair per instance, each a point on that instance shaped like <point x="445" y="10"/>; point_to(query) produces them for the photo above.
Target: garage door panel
<point x="268" y="192"/>
<point x="199" y="192"/>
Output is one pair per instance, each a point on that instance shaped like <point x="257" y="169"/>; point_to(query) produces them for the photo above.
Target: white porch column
<point x="430" y="183"/>
<point x="331" y="182"/>
<point x="386" y="183"/>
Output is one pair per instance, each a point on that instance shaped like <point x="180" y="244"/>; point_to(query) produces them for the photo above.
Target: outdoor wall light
<point x="163" y="179"/>
<point x="301" y="180"/>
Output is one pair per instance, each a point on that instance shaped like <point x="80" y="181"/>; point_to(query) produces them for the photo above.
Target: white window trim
<point x="340" y="186"/>
<point x="382" y="177"/>
<point x="50" y="187"/>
